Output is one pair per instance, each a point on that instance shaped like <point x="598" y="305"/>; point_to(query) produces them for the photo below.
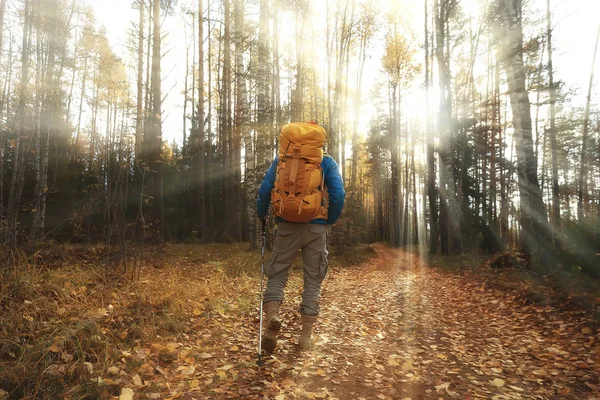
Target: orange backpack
<point x="299" y="194"/>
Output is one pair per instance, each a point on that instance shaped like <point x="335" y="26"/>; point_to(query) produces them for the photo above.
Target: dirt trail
<point x="393" y="328"/>
<point x="398" y="329"/>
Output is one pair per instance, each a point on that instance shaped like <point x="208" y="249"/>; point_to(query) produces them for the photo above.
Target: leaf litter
<point x="392" y="328"/>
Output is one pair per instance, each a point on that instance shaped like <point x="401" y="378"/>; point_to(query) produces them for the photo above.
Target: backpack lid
<point x="308" y="136"/>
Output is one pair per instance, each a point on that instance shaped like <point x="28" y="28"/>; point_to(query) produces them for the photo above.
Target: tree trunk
<point x="415" y="219"/>
<point x="228" y="184"/>
<point x="552" y="92"/>
<point x="395" y="166"/>
<point x="236" y="133"/>
<point x="155" y="133"/>
<point x="431" y="192"/>
<point x="209" y="175"/>
<point x="242" y="128"/>
<point x="581" y="192"/>
<point x="199" y="140"/>
<point x="147" y="93"/>
<point x="297" y="100"/>
<point x="83" y="82"/>
<point x="447" y="192"/>
<point x="262" y="115"/>
<point x="184" y="143"/>
<point x="139" y="116"/>
<point x="534" y="222"/>
<point x="18" y="167"/>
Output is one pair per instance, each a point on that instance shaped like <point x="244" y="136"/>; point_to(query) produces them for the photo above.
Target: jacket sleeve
<point x="264" y="192"/>
<point x="335" y="188"/>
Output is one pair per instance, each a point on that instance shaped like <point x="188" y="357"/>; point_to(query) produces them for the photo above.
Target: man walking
<point x="306" y="193"/>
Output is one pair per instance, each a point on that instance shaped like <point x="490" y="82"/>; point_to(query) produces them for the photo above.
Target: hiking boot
<point x="304" y="342"/>
<point x="273" y="325"/>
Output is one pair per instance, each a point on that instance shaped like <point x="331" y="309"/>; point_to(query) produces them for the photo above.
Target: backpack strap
<point x="294" y="170"/>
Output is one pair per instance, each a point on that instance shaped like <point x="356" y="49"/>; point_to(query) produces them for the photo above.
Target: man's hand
<point x="263" y="220"/>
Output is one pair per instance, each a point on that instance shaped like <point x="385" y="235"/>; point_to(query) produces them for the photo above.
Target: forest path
<point x="390" y="328"/>
<point x="394" y="328"/>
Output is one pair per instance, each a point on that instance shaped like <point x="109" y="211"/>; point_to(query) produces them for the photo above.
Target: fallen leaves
<point x="497" y="382"/>
<point x="126" y="394"/>
<point x="287" y="382"/>
<point x="405" y="332"/>
<point x="392" y="360"/>
<point x="137" y="381"/>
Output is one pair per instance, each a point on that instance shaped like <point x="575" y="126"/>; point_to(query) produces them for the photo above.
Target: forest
<point x="504" y="156"/>
<point x="129" y="129"/>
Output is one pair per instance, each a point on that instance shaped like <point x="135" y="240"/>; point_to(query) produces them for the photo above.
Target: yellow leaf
<point x="320" y="372"/>
<point x="54" y="348"/>
<point x="113" y="370"/>
<point x="586" y="331"/>
<point x="280" y="397"/>
<point x="194" y="383"/>
<point x="45" y="189"/>
<point x="172" y="347"/>
<point x="287" y="382"/>
<point x="137" y="381"/>
<point x="197" y="311"/>
<point x="392" y="360"/>
<point x="442" y="386"/>
<point x="234" y="348"/>
<point x="89" y="367"/>
<point x="498" y="382"/>
<point x="126" y="394"/>
<point x="222" y="374"/>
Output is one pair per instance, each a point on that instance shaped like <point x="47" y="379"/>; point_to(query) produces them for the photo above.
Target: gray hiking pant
<point x="289" y="239"/>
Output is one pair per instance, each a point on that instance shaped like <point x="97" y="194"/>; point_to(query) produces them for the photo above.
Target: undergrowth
<point x="70" y="313"/>
<point x="67" y="319"/>
<point x="562" y="285"/>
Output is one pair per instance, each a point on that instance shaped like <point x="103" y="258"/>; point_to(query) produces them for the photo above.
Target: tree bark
<point x="581" y="192"/>
<point x="395" y="166"/>
<point x="552" y="93"/>
<point x="199" y="141"/>
<point x="534" y="221"/>
<point x="242" y="131"/>
<point x="139" y="116"/>
<point x="431" y="192"/>
<point x="18" y="166"/>
<point x="262" y="114"/>
<point x="209" y="175"/>
<point x="447" y="192"/>
<point x="155" y="134"/>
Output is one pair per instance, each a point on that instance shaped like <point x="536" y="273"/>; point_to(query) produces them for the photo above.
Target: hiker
<point x="306" y="193"/>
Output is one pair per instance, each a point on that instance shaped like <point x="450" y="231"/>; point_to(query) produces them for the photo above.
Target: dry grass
<point x="69" y="313"/>
<point x="67" y="316"/>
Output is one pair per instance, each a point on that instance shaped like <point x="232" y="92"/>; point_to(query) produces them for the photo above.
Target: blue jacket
<point x="333" y="183"/>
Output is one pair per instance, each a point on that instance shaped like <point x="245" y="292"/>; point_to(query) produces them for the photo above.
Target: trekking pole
<point x="262" y="274"/>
